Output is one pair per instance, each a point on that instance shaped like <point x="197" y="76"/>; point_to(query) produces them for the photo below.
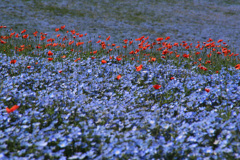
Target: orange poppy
<point x="77" y="59"/>
<point x="118" y="77"/>
<point x="79" y="43"/>
<point x="237" y="66"/>
<point x="104" y="61"/>
<point x="12" y="109"/>
<point x="139" y="68"/>
<point x="153" y="59"/>
<point x="131" y="52"/>
<point x="108" y="38"/>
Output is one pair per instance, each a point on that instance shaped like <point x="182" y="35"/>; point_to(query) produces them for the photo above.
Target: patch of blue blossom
<point x="86" y="107"/>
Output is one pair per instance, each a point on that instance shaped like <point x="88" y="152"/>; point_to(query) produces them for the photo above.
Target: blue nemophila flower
<point x="85" y="112"/>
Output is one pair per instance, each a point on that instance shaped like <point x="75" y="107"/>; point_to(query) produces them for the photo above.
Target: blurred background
<point x="188" y="20"/>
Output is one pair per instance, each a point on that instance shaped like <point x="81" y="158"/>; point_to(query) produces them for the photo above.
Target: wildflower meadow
<point x="73" y="96"/>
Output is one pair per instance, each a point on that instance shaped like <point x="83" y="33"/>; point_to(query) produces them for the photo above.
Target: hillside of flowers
<point x="73" y="96"/>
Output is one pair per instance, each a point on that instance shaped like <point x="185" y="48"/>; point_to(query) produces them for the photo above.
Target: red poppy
<point x="207" y="90"/>
<point x="159" y="39"/>
<point x="118" y="58"/>
<point x="23" y="31"/>
<point x="25" y="36"/>
<point x="172" y="78"/>
<point x="208" y="61"/>
<point x="77" y="59"/>
<point x="2" y="41"/>
<point x="156" y="86"/>
<point x="50" y="53"/>
<point x="79" y="43"/>
<point x="12" y="109"/>
<point x="130" y="42"/>
<point x="118" y="77"/>
<point x="139" y="68"/>
<point x="237" y="66"/>
<point x="186" y="55"/>
<point x="167" y="38"/>
<point x="104" y="61"/>
<point x="153" y="59"/>
<point x="62" y="27"/>
<point x="50" y="59"/>
<point x="13" y="61"/>
<point x="28" y="67"/>
<point x="108" y="38"/>
<point x="60" y="71"/>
